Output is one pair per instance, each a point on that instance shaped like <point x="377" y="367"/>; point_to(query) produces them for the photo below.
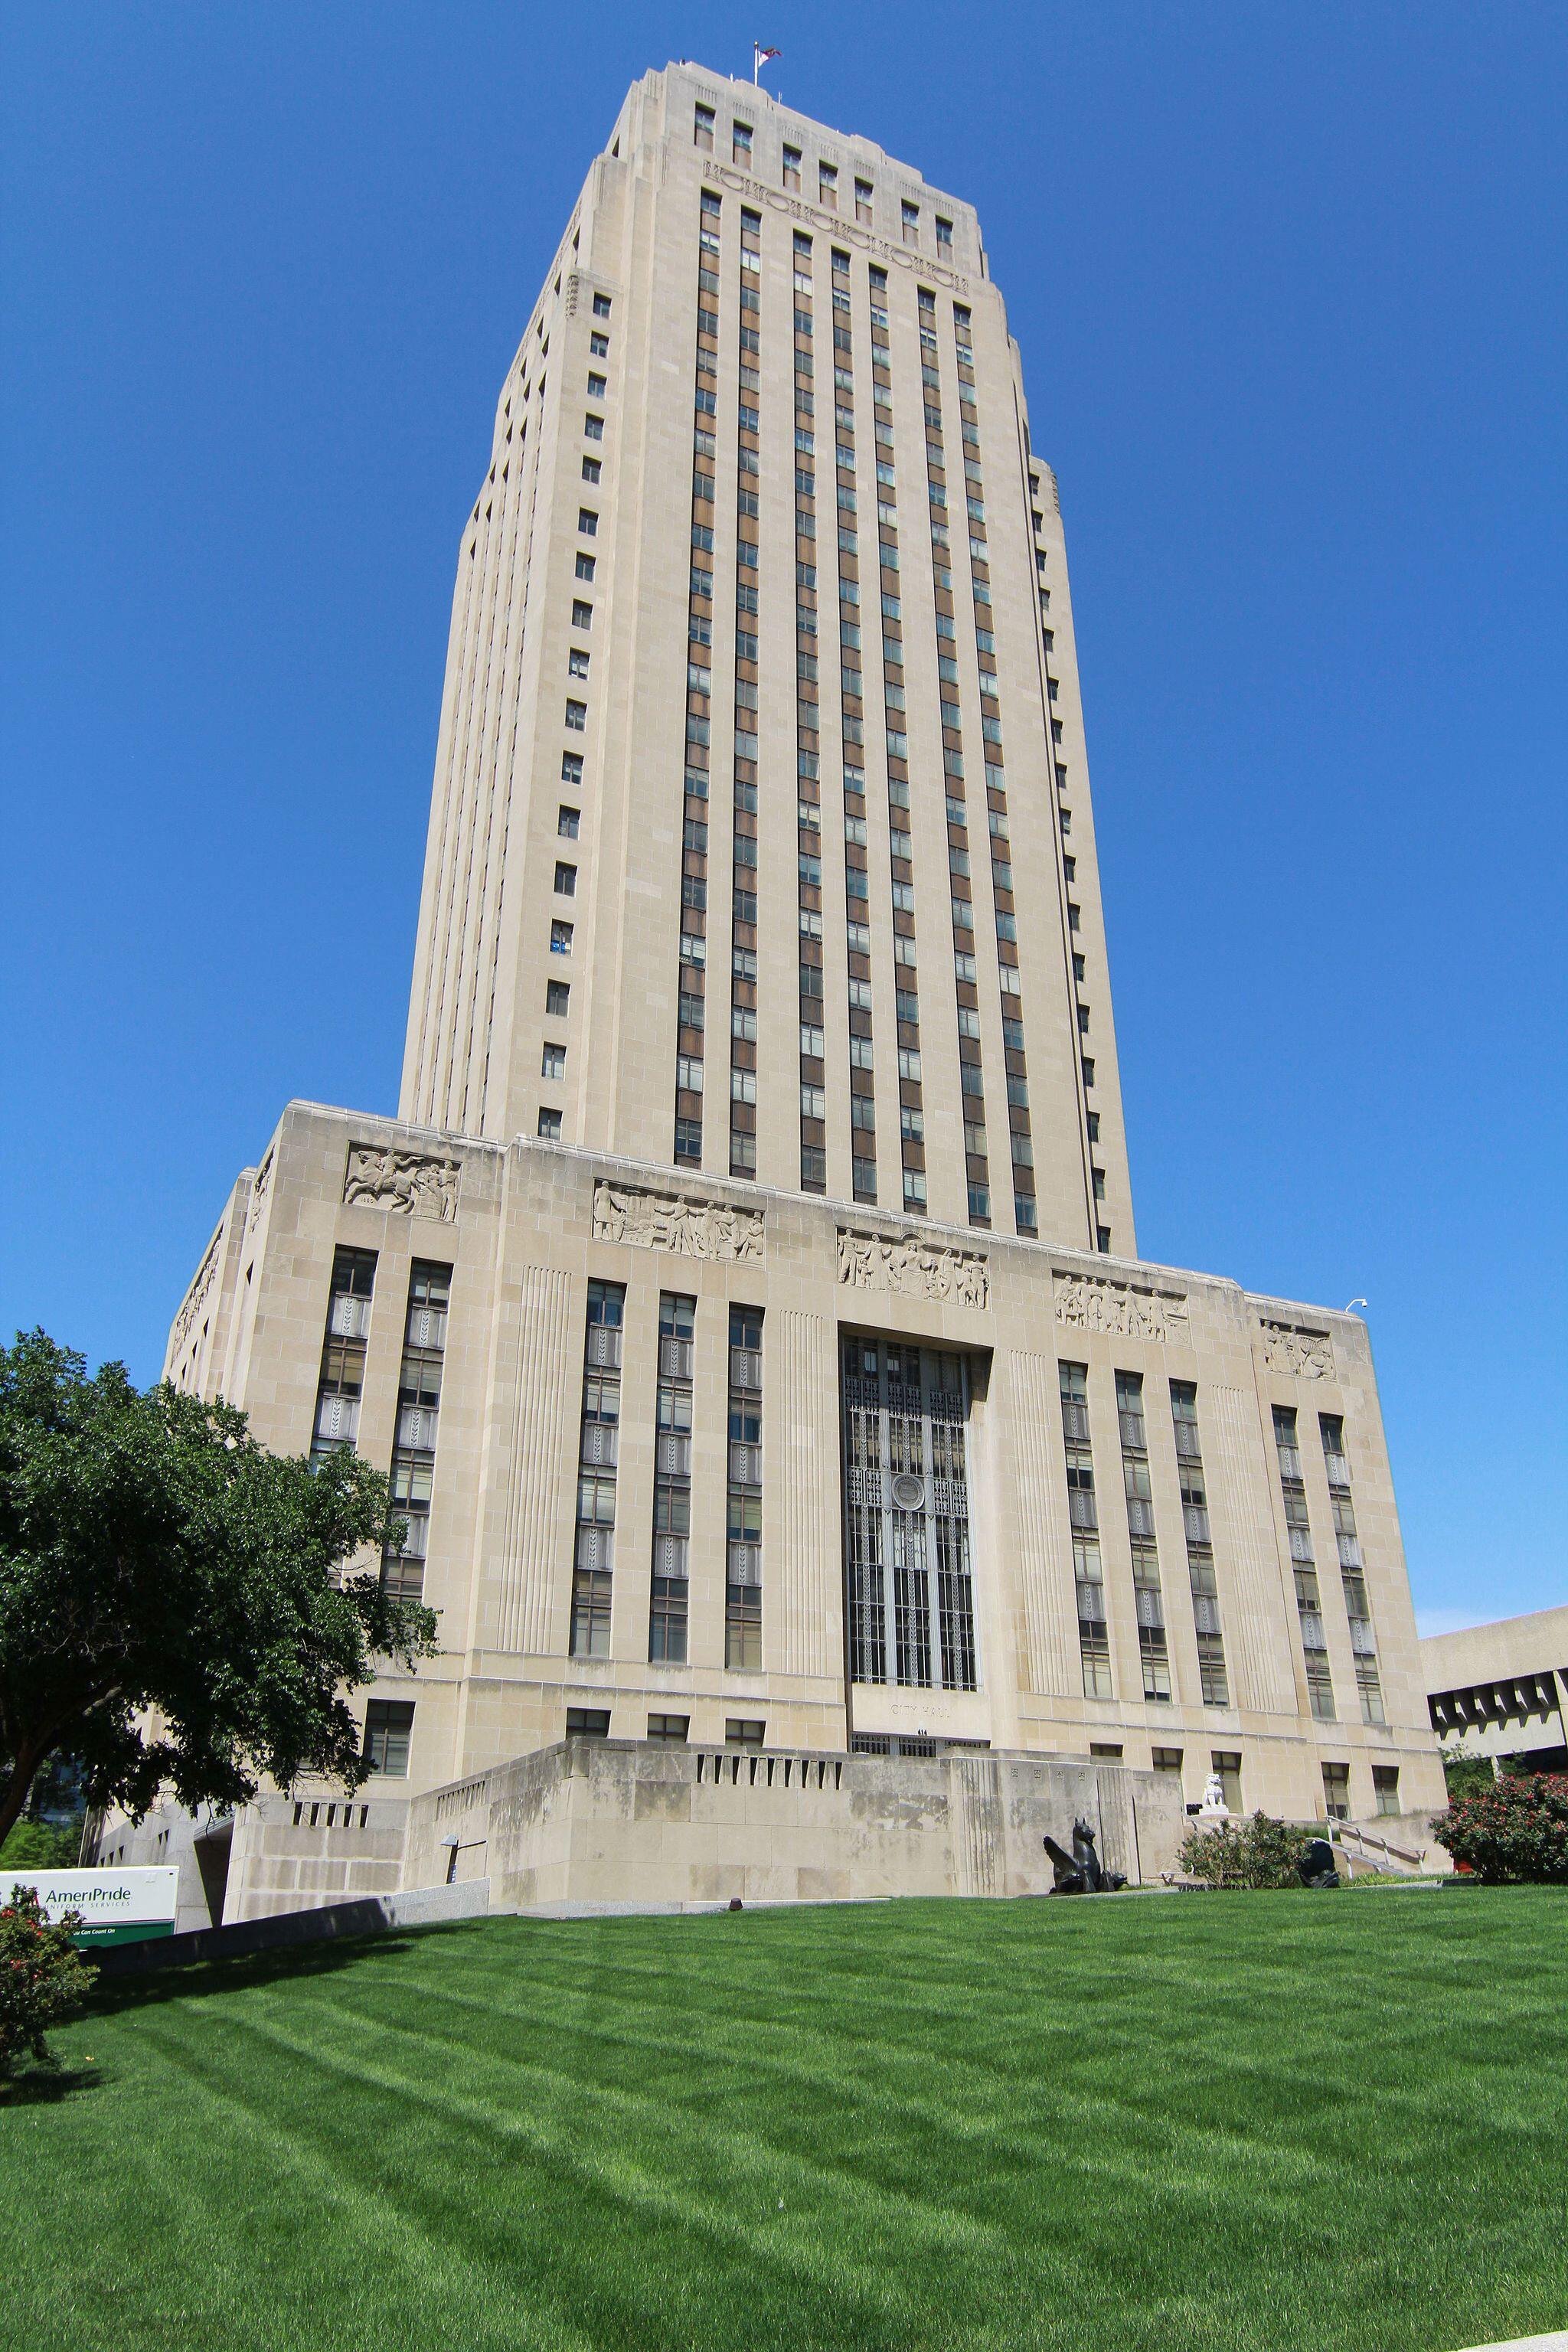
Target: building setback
<point x="746" y="1301"/>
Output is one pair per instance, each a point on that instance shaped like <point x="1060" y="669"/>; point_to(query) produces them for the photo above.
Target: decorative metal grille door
<point x="906" y="1488"/>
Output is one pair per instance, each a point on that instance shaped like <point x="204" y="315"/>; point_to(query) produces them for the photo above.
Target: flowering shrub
<point x="1512" y="1833"/>
<point x="42" y="1976"/>
<point x="1259" y="1853"/>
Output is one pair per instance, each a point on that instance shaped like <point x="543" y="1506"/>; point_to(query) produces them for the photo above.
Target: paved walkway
<point x="1558" y="2343"/>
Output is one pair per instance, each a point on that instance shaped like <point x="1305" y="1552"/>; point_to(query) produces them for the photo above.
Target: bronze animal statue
<point x="1315" y="1863"/>
<point x="1082" y="1871"/>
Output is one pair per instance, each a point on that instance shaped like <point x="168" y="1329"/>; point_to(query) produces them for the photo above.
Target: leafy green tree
<point x="174" y="1603"/>
<point x="1467" y="1776"/>
<point x="42" y="1977"/>
<point x="39" y="1845"/>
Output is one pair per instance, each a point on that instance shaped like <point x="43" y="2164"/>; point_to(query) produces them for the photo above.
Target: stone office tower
<point x="746" y="1301"/>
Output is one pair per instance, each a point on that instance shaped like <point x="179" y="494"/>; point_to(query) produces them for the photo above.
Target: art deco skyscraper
<point x="745" y="1305"/>
<point x="761" y="839"/>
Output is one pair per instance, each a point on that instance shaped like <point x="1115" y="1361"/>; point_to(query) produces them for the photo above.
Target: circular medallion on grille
<point x="909" y="1491"/>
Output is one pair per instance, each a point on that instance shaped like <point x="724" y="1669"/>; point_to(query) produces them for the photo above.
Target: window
<point x="1227" y="1765"/>
<point x="585" y="567"/>
<point x="577" y="662"/>
<point x="598" y="1452"/>
<point x="827" y="184"/>
<point x="744" y="1731"/>
<point x="911" y="217"/>
<point x="418" y="1413"/>
<point x="943" y="231"/>
<point x="668" y="1730"/>
<point x="863" y="201"/>
<point x="1337" y="1791"/>
<point x="560" y="939"/>
<point x="557" y="996"/>
<point x="567" y="821"/>
<point x="1167" y="1760"/>
<point x="596" y="387"/>
<point x="577" y="717"/>
<point x="591" y="469"/>
<point x="552" y="1063"/>
<point x="565" y="879"/>
<point x="601" y="305"/>
<point x="594" y="427"/>
<point x="587" y="522"/>
<point x="702" y="127"/>
<point x="344" y="1351"/>
<point x="1385" y="1788"/>
<point x="582" y="615"/>
<point x="550" y="1127"/>
<point x="791" y="167"/>
<point x="587" y="1723"/>
<point x="388" y="1729"/>
<point x="741" y="143"/>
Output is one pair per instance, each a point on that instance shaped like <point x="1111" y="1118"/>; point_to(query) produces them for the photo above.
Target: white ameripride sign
<point x="117" y="1906"/>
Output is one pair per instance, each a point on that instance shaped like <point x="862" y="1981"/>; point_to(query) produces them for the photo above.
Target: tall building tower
<point x="761" y="719"/>
<point x="745" y="1303"/>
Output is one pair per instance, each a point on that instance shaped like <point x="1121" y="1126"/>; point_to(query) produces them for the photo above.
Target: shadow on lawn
<point x="47" y="2085"/>
<point x="292" y="1963"/>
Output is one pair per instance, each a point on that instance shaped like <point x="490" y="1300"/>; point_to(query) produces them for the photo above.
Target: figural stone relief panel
<point x="1090" y="1302"/>
<point x="660" y="1221"/>
<point x="917" y="1269"/>
<point x="409" y="1184"/>
<point x="1302" y="1355"/>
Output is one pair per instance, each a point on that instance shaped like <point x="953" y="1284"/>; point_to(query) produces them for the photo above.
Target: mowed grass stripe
<point x="369" y="2237"/>
<point x="1205" y="2124"/>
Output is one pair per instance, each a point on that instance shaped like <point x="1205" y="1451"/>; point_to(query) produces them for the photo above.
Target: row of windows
<point x="389" y="1726"/>
<point x="1303" y="1562"/>
<point x="704" y="130"/>
<point x="691" y="1042"/>
<point x="812" y="1097"/>
<point x="1083" y="1513"/>
<point x="340" y="1388"/>
<point x="598" y="1455"/>
<point x="569" y="815"/>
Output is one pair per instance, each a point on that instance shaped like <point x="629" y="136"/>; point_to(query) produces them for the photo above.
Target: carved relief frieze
<point x="408" y="1183"/>
<point x="918" y="1269"/>
<point x="662" y="1220"/>
<point x="259" y="1191"/>
<point x="1301" y="1355"/>
<point x="196" y="1298"/>
<point x="1091" y="1302"/>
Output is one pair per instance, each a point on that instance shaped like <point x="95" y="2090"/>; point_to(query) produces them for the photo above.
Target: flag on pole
<point x="760" y="58"/>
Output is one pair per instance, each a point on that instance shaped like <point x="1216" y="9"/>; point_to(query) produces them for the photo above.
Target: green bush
<point x="43" y="1979"/>
<point x="1512" y="1833"/>
<point x="1259" y="1853"/>
<point x="1467" y="1776"/>
<point x="35" y="1846"/>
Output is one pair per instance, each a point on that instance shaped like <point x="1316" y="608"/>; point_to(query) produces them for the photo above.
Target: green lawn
<point x="1184" y="2123"/>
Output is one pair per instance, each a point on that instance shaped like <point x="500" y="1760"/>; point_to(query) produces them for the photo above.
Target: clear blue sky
<point x="1289" y="287"/>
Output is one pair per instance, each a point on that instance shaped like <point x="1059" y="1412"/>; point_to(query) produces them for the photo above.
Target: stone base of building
<point x="623" y="1822"/>
<point x="687" y="1460"/>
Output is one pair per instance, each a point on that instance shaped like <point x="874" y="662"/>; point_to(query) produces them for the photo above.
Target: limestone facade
<point x="746" y="1301"/>
<point x="527" y="1228"/>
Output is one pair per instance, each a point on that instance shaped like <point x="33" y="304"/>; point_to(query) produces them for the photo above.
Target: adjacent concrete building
<point x="1498" y="1690"/>
<point x="746" y="1301"/>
